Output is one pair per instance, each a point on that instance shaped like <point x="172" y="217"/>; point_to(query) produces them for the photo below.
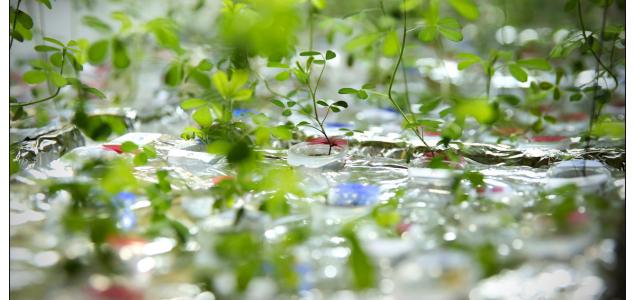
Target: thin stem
<point x="394" y="72"/>
<point x="586" y="41"/>
<point x="313" y="93"/>
<point x="15" y="19"/>
<point x="57" y="91"/>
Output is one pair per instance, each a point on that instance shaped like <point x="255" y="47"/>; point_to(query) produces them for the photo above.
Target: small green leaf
<point x="192" y="103"/>
<point x="361" y="94"/>
<point x="97" y="52"/>
<point x="467" y="8"/>
<point x="45" y="48"/>
<point x="330" y="54"/>
<point x="24" y="19"/>
<point x="94" y="91"/>
<point x="141" y="159"/>
<point x="575" y="97"/>
<point x="57" y="79"/>
<point x="361" y="42"/>
<point x="545" y="85"/>
<point x="517" y="72"/>
<point x="34" y="77"/>
<point x="282" y="76"/>
<point x="53" y="41"/>
<point x="282" y="132"/>
<point x="428" y="106"/>
<point x="97" y="24"/>
<point x="56" y="59"/>
<point x="509" y="99"/>
<point x="347" y="91"/>
<point x="428" y="34"/>
<point x="450" y="29"/>
<point x="205" y="65"/>
<point x="322" y="103"/>
<point x="549" y="119"/>
<point x="391" y="44"/>
<point x="467" y="59"/>
<point x="203" y="117"/>
<point x="287" y="112"/>
<point x="277" y="103"/>
<point x="46" y="3"/>
<point x="129" y="146"/>
<point x="120" y="54"/>
<point x="174" y="75"/>
<point x="341" y="103"/>
<point x="309" y="53"/>
<point x="334" y="109"/>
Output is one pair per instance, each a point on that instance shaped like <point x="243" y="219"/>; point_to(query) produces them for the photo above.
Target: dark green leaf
<point x="575" y="97"/>
<point x="330" y="54"/>
<point x="545" y="85"/>
<point x="509" y="99"/>
<point x="277" y="103"/>
<point x="97" y="52"/>
<point x="174" y="75"/>
<point x="517" y="72"/>
<point x="341" y="104"/>
<point x="361" y="94"/>
<point x="120" y="54"/>
<point x="286" y="112"/>
<point x="45" y="48"/>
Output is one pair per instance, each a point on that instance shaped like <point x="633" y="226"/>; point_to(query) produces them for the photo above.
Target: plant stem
<point x="586" y="41"/>
<point x="313" y="98"/>
<point x="15" y="19"/>
<point x="57" y="91"/>
<point x="394" y="72"/>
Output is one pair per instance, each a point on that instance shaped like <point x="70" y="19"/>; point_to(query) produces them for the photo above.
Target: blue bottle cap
<point x="354" y="194"/>
<point x="124" y="199"/>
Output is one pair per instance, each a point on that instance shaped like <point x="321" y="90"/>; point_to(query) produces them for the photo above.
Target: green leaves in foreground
<point x="359" y="263"/>
<point x="480" y="109"/>
<point x="232" y="89"/>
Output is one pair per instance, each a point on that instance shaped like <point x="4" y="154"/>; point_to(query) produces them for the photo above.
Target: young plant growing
<point x="303" y="74"/>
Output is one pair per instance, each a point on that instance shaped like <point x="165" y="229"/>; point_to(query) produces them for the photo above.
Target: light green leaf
<point x="34" y="77"/>
<point x="203" y="117"/>
<point x="97" y="24"/>
<point x="221" y="83"/>
<point x="57" y="79"/>
<point x="192" y="103"/>
<point x="450" y="29"/>
<point x="120" y="55"/>
<point x="479" y="109"/>
<point x="428" y="34"/>
<point x="129" y="146"/>
<point x="467" y="8"/>
<point x="361" y="42"/>
<point x="391" y="44"/>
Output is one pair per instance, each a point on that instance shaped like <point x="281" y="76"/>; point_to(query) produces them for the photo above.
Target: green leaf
<point x="535" y="64"/>
<point x="428" y="106"/>
<point x="341" y="103"/>
<point x="319" y="4"/>
<point x="450" y="29"/>
<point x="517" y="72"/>
<point x="141" y="159"/>
<point x="467" y="59"/>
<point x="34" y="77"/>
<point x="361" y="94"/>
<point x="120" y="55"/>
<point x="360" y="264"/>
<point x="545" y="85"/>
<point x="46" y="3"/>
<point x="174" y="75"/>
<point x="277" y="103"/>
<point x="200" y="78"/>
<point x="56" y="59"/>
<point x="480" y="109"/>
<point x="347" y="91"/>
<point x="309" y="53"/>
<point x="282" y="132"/>
<point x="613" y="129"/>
<point x="467" y="8"/>
<point x="361" y="42"/>
<point x="322" y="103"/>
<point x="45" y="48"/>
<point x="334" y="109"/>
<point x="192" y="103"/>
<point x="97" y="24"/>
<point x="330" y="54"/>
<point x="391" y="44"/>
<point x="286" y="112"/>
<point x="165" y="32"/>
<point x="57" y="79"/>
<point x="129" y="146"/>
<point x="452" y="131"/>
<point x="53" y="41"/>
<point x="94" y="91"/>
<point x="509" y="99"/>
<point x="125" y="21"/>
<point x="97" y="52"/>
<point x="575" y="97"/>
<point x="203" y="117"/>
<point x="205" y="65"/>
<point x="428" y="34"/>
<point x="282" y="76"/>
<point x="24" y="19"/>
<point x="550" y="119"/>
<point x="221" y="83"/>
